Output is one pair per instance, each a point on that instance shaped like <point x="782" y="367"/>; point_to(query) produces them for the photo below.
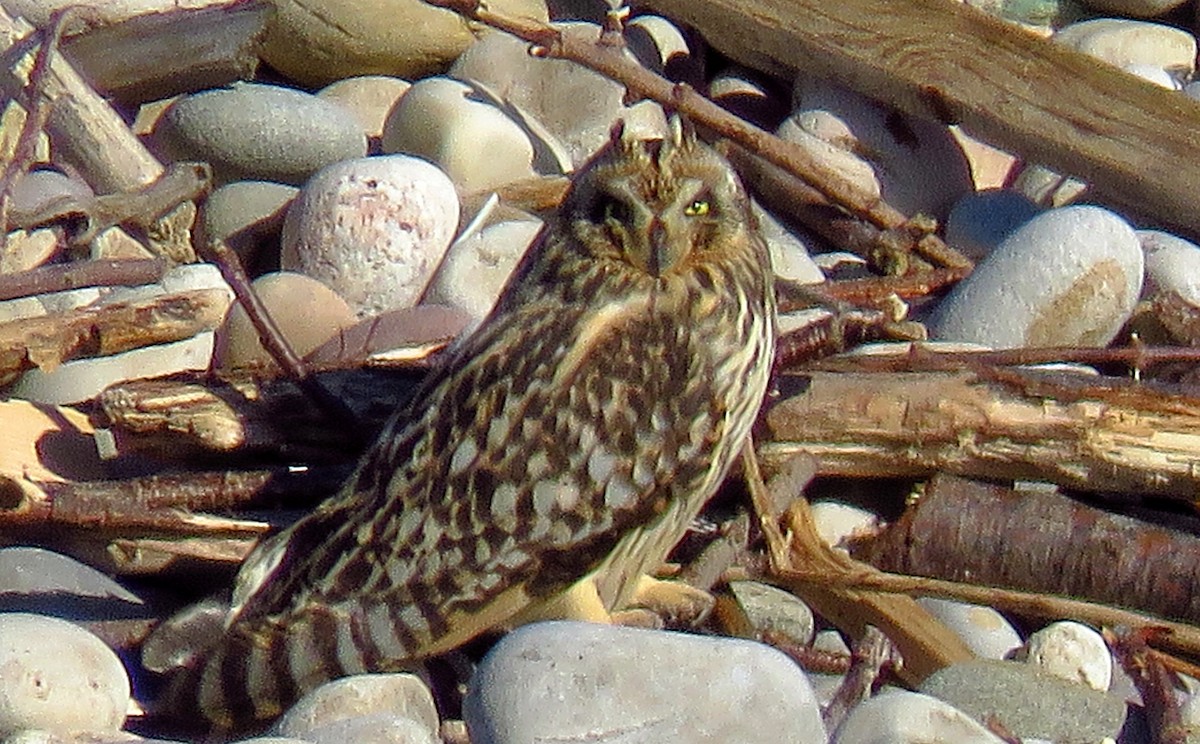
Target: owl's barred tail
<point x="251" y="677"/>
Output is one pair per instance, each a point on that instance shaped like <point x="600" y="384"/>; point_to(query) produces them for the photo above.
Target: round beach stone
<point x="370" y="97"/>
<point x="916" y="163"/>
<point x="241" y="204"/>
<point x="1031" y="703"/>
<point x="57" y="677"/>
<point x="359" y="697"/>
<point x="372" y="229"/>
<point x="1123" y="42"/>
<point x="441" y="119"/>
<point x="475" y="269"/>
<point x="39" y="191"/>
<point x="380" y="728"/>
<point x="752" y="609"/>
<point x="569" y="681"/>
<point x="902" y="717"/>
<point x="251" y="131"/>
<point x="307" y="313"/>
<point x="1072" y="651"/>
<point x="1068" y="277"/>
<point x="836" y="521"/>
<point x="791" y="258"/>
<point x="1172" y="266"/>
<point x="318" y="41"/>
<point x="577" y="106"/>
<point x="36" y="571"/>
<point x="984" y="630"/>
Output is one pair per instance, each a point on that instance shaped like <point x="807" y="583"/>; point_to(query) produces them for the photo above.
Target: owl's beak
<point x="662" y="253"/>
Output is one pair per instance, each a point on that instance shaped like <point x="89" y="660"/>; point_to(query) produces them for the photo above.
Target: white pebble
<point x="901" y="717"/>
<point x="1068" y="277"/>
<point x="359" y="697"/>
<point x="1072" y="651"/>
<point x="475" y="143"/>
<point x="57" y="677"/>
<point x="1121" y="42"/>
<point x="370" y="97"/>
<point x="916" y="163"/>
<point x="1172" y="266"/>
<point x="83" y="379"/>
<point x="476" y="268"/>
<point x="372" y="229"/>
<point x="836" y="521"/>
<point x="576" y="106"/>
<point x="984" y="630"/>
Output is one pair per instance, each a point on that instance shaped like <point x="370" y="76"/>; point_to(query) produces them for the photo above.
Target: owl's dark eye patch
<point x="609" y="209"/>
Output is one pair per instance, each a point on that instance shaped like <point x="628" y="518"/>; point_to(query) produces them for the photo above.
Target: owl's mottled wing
<point x="513" y="477"/>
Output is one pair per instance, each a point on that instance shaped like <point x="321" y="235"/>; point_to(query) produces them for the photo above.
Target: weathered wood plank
<point x="1135" y="143"/>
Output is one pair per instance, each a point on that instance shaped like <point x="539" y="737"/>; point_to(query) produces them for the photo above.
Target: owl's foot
<point x="676" y="602"/>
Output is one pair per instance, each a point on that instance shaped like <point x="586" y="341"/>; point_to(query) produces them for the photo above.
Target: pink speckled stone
<point x="372" y="229"/>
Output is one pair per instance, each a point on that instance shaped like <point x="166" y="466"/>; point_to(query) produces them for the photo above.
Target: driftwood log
<point x="1134" y="142"/>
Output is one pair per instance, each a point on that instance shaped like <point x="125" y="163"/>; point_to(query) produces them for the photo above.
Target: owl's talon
<point x="677" y="602"/>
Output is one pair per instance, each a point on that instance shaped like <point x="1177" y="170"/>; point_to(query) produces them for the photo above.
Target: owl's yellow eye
<point x="698" y="208"/>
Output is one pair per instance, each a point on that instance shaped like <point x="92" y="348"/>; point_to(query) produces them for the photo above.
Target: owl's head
<point x="659" y="206"/>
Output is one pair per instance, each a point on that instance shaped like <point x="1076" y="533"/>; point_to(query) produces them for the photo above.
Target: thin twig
<point x="271" y="337"/>
<point x="37" y="110"/>
<point x="871" y="658"/>
<point x="98" y="273"/>
<point x="768" y="515"/>
<point x="611" y="61"/>
<point x="1178" y="637"/>
<point x="1152" y="680"/>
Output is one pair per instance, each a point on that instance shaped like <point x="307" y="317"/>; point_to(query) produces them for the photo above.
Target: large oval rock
<point x="57" y="677"/>
<point x="443" y="120"/>
<point x="915" y="163"/>
<point x="1068" y="277"/>
<point x="318" y="41"/>
<point x="577" y="106"/>
<point x="251" y="131"/>
<point x="569" y="681"/>
<point x="372" y="229"/>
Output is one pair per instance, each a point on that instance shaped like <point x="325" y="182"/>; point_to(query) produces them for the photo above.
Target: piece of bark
<point x="1102" y="437"/>
<point x="1131" y="140"/>
<point x="48" y="340"/>
<point x="1040" y="541"/>
<point x="84" y="129"/>
<point x="164" y="503"/>
<point x="164" y="51"/>
<point x="243" y="416"/>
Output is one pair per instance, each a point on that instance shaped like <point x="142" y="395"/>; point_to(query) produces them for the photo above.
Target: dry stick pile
<point x="854" y="419"/>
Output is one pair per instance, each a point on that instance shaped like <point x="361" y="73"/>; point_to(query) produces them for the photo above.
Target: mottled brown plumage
<point x="574" y="435"/>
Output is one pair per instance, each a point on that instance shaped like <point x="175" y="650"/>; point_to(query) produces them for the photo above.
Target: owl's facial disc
<point x="656" y="231"/>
